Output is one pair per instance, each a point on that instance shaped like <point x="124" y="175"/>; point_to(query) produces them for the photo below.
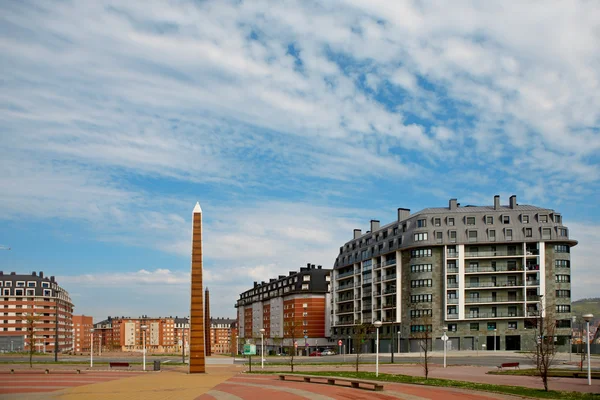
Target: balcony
<point x="366" y="320"/>
<point x="357" y="284"/>
<point x="472" y="300"/>
<point x="534" y="298"/>
<point x="343" y="322"/>
<point x="366" y="294"/>
<point x="345" y="299"/>
<point x="388" y="319"/>
<point x="453" y="300"/>
<point x="389" y="291"/>
<point x="532" y="283"/>
<point x="472" y="270"/>
<point x="497" y="253"/>
<point x="389" y="277"/>
<point x="367" y="307"/>
<point x="389" y="305"/>
<point x="345" y="275"/>
<point x="452" y="253"/>
<point x="367" y="268"/>
<point x="344" y="287"/>
<point x="483" y="285"/>
<point x="532" y="252"/>
<point x="488" y="315"/>
<point x="452" y="270"/>
<point x="348" y="311"/>
<point x="533" y="267"/>
<point x="390" y="262"/>
<point x="451" y="316"/>
<point x="452" y="285"/>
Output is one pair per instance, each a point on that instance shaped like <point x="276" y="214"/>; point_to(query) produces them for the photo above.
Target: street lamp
<point x="377" y="324"/>
<point x="237" y="345"/>
<point x="587" y="318"/>
<point x="143" y="328"/>
<point x="262" y="348"/>
<point x="444" y="343"/>
<point x="573" y="320"/>
<point x="495" y="339"/>
<point x="91" y="347"/>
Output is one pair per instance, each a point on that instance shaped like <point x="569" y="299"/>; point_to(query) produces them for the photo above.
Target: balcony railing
<point x="345" y="287"/>
<point x="367" y="268"/>
<point x="493" y="284"/>
<point x="452" y="253"/>
<point x="453" y="300"/>
<point x="345" y="299"/>
<point x="343" y="322"/>
<point x="345" y="274"/>
<point x="471" y="270"/>
<point x="532" y="283"/>
<point x="389" y="291"/>
<point x="497" y="253"/>
<point x="452" y="270"/>
<point x="493" y="300"/>
<point x="451" y="316"/>
<point x="533" y="298"/>
<point x="533" y="267"/>
<point x="367" y="307"/>
<point x="389" y="277"/>
<point x="452" y="285"/>
<point x="388" y="319"/>
<point x="367" y="320"/>
<point x="390" y="262"/>
<point x="532" y="252"/>
<point x="366" y="294"/>
<point x="389" y="305"/>
<point x="349" y="311"/>
<point x="495" y="315"/>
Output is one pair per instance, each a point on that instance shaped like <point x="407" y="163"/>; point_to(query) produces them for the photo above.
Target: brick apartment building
<point x="82" y="329"/>
<point x="222" y="335"/>
<point x="294" y="310"/>
<point x="42" y="297"/>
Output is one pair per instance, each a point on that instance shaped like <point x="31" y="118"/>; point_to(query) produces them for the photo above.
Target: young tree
<point x="30" y="321"/>
<point x="424" y="334"/>
<point x="359" y="334"/>
<point x="292" y="331"/>
<point x="544" y="346"/>
<point x="278" y="343"/>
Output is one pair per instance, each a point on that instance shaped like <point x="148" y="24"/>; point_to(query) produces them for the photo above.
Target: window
<point x="437" y="222"/>
<point x="563" y="278"/>
<point x="421" y="223"/>
<point x="420" y="253"/>
<point x="563" y="323"/>
<point x="420" y="313"/>
<point x="506" y="219"/>
<point x="390" y="244"/>
<point x="419" y="237"/>
<point x="420" y="283"/>
<point x="451" y="221"/>
<point x="563" y="293"/>
<point x="305" y="286"/>
<point x="546" y="233"/>
<point x="439" y="237"/>
<point x="508" y="234"/>
<point x="452" y="235"/>
<point x="470" y="220"/>
<point x="492" y="235"/>
<point x="474" y="326"/>
<point x="525" y="219"/>
<point x="20" y="284"/>
<point x="395" y="230"/>
<point x="420" y="328"/>
<point x="420" y="268"/>
<point x="491" y="326"/>
<point x="561" y="248"/>
<point x="557" y="219"/>
<point x="562" y="264"/>
<point x="489" y="220"/>
<point x="18" y="292"/>
<point x="562" y="232"/>
<point x="512" y="324"/>
<point x="420" y="298"/>
<point x="8" y="283"/>
<point x="562" y="308"/>
<point x="472" y="236"/>
<point x="30" y="292"/>
<point x="31" y="284"/>
<point x="385" y="233"/>
<point x="543" y="219"/>
<point x="528" y="232"/>
<point x="306" y="278"/>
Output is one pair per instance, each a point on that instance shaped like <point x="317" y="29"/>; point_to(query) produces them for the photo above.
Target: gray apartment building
<point x="486" y="273"/>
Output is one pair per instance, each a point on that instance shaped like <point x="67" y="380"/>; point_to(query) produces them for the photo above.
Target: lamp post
<point x="262" y="348"/>
<point x="495" y="330"/>
<point x="377" y="324"/>
<point x="143" y="328"/>
<point x="444" y="339"/>
<point x="392" y="344"/>
<point x="573" y="319"/>
<point x="91" y="347"/>
<point x="237" y="345"/>
<point x="587" y="318"/>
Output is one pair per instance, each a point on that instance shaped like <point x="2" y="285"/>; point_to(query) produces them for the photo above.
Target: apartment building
<point x="294" y="310"/>
<point x="222" y="335"/>
<point x="486" y="273"/>
<point x="42" y="300"/>
<point x="162" y="334"/>
<point x="82" y="334"/>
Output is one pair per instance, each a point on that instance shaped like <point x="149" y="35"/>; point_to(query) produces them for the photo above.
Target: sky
<point x="292" y="123"/>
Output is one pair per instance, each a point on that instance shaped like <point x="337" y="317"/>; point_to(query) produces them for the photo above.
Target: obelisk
<point x="197" y="339"/>
<point x="207" y="321"/>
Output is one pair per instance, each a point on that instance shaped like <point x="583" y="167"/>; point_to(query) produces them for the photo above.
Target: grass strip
<point x="486" y="387"/>
<point x="555" y="373"/>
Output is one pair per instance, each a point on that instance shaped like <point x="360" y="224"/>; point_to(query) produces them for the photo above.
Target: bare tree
<point x="278" y="343"/>
<point x="292" y="332"/>
<point x="359" y="334"/>
<point x="544" y="346"/>
<point x="30" y="321"/>
<point x="424" y="334"/>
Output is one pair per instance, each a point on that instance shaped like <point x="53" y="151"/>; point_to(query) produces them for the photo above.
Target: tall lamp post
<point x="392" y="344"/>
<point x="143" y="328"/>
<point x="91" y="347"/>
<point x="262" y="348"/>
<point x="587" y="318"/>
<point x="444" y="341"/>
<point x="377" y="324"/>
<point x="573" y="320"/>
<point x="495" y="330"/>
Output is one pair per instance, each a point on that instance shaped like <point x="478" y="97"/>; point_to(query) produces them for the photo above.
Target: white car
<point x="327" y="352"/>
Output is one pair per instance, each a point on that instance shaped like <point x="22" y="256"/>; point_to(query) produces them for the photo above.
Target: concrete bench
<point x="508" y="365"/>
<point x="119" y="364"/>
<point x="332" y="380"/>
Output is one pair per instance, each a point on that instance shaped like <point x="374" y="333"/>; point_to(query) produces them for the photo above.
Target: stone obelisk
<point x="207" y="321"/>
<point x="197" y="339"/>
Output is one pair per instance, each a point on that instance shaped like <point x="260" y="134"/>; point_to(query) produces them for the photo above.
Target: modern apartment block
<point x="222" y="330"/>
<point x="483" y="272"/>
<point x="82" y="334"/>
<point x="38" y="298"/>
<point x="294" y="310"/>
<point x="163" y="334"/>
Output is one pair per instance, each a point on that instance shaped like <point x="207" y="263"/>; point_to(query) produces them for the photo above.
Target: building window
<point x="8" y="283"/>
<point x="20" y="284"/>
<point x="563" y="293"/>
<point x="557" y="219"/>
<point x="506" y="219"/>
<point x="491" y="326"/>
<point x="563" y="323"/>
<point x="528" y="232"/>
<point x="306" y="278"/>
<point x="419" y="237"/>
<point x="543" y="219"/>
<point x="18" y="292"/>
<point x="561" y="248"/>
<point x="562" y="232"/>
<point x="395" y="230"/>
<point x="492" y="235"/>
<point x="30" y="292"/>
<point x="546" y="233"/>
<point x="562" y="308"/>
<point x="452" y="327"/>
<point x="420" y="298"/>
<point x="420" y="283"/>
<point x="420" y="253"/>
<point x="452" y="235"/>
<point x="420" y="313"/>
<point x="489" y="220"/>
<point x="421" y="223"/>
<point x="562" y="263"/>
<point x="508" y="234"/>
<point x="451" y="221"/>
<point x="305" y="286"/>
<point x="437" y="222"/>
<point x="439" y="237"/>
<point x="420" y="328"/>
<point x="420" y="268"/>
<point x="470" y="220"/>
<point x="525" y="219"/>
<point x="563" y="278"/>
<point x="474" y="326"/>
<point x="512" y="324"/>
<point x="31" y="284"/>
<point x="472" y="236"/>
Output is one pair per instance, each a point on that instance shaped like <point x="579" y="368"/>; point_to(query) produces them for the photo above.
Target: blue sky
<point x="292" y="124"/>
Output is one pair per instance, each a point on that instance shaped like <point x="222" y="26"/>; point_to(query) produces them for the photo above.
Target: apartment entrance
<point x="490" y="343"/>
<point x="513" y="342"/>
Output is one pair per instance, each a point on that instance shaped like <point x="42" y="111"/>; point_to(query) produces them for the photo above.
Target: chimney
<point x="41" y="274"/>
<point x="357" y="233"/>
<point x="255" y="284"/>
<point x="308" y="265"/>
<point x="403" y="213"/>
<point x="319" y="267"/>
<point x="513" y="201"/>
<point x="52" y="279"/>
<point x="281" y="276"/>
<point x="33" y="273"/>
<point x="374" y="225"/>
<point x="312" y="266"/>
<point x="496" y="202"/>
<point x="452" y="205"/>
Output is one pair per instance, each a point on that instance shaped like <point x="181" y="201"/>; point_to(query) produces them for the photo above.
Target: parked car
<point x="328" y="352"/>
<point x="315" y="354"/>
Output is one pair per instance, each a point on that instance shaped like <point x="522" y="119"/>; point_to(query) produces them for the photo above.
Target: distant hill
<point x="586" y="306"/>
